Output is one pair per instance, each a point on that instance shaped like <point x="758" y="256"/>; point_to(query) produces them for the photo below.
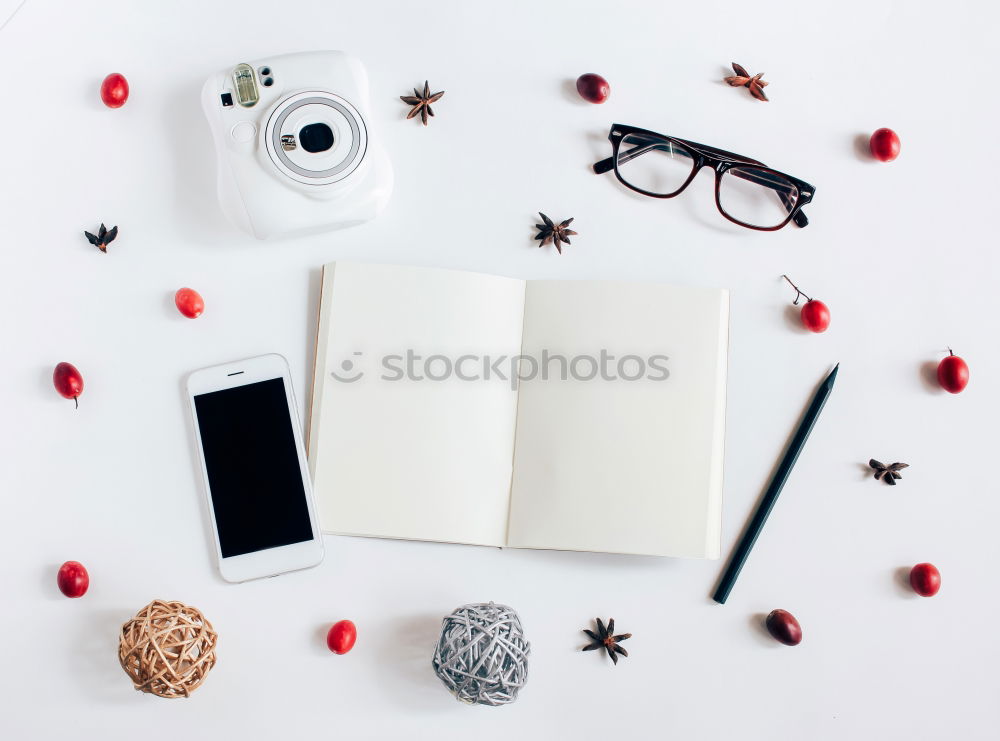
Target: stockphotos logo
<point x="410" y="366"/>
<point x="349" y="371"/>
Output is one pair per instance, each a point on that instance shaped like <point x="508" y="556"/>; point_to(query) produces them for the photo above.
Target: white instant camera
<point x="296" y="149"/>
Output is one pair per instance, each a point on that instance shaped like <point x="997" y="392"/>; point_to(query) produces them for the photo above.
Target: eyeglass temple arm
<point x="608" y="164"/>
<point x="799" y="218"/>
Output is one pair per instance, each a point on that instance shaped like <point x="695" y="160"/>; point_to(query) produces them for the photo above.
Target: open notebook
<point x="418" y="431"/>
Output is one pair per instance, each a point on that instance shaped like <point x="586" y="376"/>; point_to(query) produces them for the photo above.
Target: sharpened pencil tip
<point x="832" y="376"/>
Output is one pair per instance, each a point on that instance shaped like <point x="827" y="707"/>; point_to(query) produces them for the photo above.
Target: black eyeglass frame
<point x="720" y="161"/>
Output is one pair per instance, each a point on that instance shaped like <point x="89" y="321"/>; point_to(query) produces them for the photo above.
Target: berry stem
<point x="76" y="400"/>
<point x="950" y="351"/>
<point x="798" y="292"/>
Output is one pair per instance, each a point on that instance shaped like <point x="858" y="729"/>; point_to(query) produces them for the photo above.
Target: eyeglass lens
<point x="653" y="165"/>
<point x="756" y="197"/>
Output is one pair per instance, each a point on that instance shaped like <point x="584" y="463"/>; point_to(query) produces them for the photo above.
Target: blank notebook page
<point x="425" y="460"/>
<point x="622" y="466"/>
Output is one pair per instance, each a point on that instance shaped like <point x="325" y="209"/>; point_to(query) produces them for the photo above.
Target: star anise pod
<point x="103" y="238"/>
<point x="421" y="102"/>
<point x="606" y="639"/>
<point x="889" y="473"/>
<point x="557" y="234"/>
<point x="753" y="83"/>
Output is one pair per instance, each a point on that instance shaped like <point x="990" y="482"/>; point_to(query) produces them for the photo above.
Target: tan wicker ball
<point x="167" y="649"/>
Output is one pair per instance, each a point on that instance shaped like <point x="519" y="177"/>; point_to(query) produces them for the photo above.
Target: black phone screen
<point x="253" y="467"/>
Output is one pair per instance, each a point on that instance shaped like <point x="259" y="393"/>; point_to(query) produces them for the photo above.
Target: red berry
<point x="925" y="579"/>
<point x="783" y="627"/>
<point x="114" y="90"/>
<point x="815" y="316"/>
<point x="953" y="373"/>
<point x="189" y="302"/>
<point x="593" y="88"/>
<point x="73" y="579"/>
<point x="341" y="637"/>
<point x="884" y="145"/>
<point x="68" y="381"/>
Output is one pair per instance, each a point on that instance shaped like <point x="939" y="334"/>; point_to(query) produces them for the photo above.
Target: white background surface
<point x="905" y="255"/>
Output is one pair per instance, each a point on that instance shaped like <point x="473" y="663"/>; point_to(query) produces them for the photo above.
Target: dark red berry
<point x="953" y="373"/>
<point x="884" y="145"/>
<point x="593" y="88"/>
<point x="73" y="579"/>
<point x="783" y="627"/>
<point x="925" y="579"/>
<point x="68" y="381"/>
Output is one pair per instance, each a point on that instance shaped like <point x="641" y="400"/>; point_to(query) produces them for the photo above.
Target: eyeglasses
<point x="747" y="192"/>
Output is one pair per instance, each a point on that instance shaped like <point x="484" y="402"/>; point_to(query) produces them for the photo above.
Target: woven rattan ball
<point x="482" y="656"/>
<point x="167" y="649"/>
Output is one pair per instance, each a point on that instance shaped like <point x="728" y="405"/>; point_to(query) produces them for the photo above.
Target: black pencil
<point x="756" y="524"/>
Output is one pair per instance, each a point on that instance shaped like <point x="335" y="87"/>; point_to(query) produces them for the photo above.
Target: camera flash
<point x="247" y="93"/>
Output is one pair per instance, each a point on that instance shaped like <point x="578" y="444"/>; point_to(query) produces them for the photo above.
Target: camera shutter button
<point x="243" y="132"/>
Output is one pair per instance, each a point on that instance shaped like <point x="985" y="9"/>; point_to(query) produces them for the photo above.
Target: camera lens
<point x="317" y="137"/>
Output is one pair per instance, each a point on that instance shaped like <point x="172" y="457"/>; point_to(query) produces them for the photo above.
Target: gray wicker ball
<point x="482" y="656"/>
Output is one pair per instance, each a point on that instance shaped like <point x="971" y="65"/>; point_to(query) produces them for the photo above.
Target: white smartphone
<point x="254" y="467"/>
